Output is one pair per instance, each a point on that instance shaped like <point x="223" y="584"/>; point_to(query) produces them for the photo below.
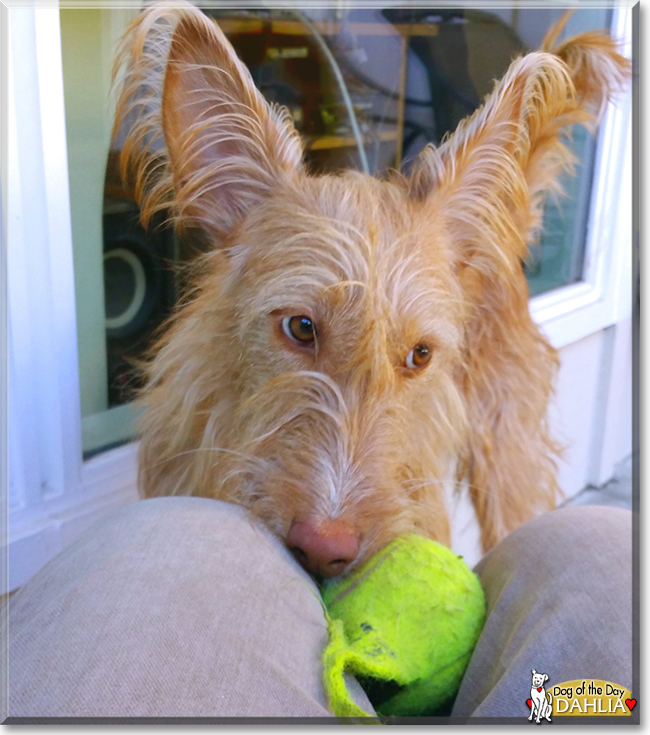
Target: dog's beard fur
<point x="345" y="429"/>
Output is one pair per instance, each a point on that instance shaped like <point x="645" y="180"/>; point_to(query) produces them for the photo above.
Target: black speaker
<point x="140" y="291"/>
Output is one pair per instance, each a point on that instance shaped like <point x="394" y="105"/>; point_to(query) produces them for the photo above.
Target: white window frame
<point x="50" y="494"/>
<point x="604" y="295"/>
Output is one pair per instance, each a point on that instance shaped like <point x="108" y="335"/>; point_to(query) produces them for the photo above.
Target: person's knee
<point x="562" y="553"/>
<point x="177" y="540"/>
<point x="200" y="532"/>
<point x="584" y="524"/>
<point x="565" y="536"/>
<point x="182" y="520"/>
<point x="175" y="516"/>
<point x="165" y="596"/>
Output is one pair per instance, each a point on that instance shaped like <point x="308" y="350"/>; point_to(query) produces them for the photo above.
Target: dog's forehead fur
<point x="356" y="255"/>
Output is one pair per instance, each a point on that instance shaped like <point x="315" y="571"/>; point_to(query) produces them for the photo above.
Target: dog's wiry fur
<point x="345" y="430"/>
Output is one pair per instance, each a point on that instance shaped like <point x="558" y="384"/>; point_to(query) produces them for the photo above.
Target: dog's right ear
<point x="486" y="185"/>
<point x="201" y="140"/>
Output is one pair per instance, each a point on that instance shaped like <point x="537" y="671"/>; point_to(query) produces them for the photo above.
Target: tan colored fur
<point x="237" y="412"/>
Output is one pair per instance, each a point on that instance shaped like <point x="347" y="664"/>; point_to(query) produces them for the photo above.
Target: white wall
<point x="592" y="411"/>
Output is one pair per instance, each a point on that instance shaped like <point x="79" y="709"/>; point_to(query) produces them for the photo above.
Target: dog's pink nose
<point x="323" y="548"/>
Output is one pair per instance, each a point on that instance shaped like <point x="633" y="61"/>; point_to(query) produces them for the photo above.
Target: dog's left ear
<point x="485" y="187"/>
<point x="210" y="147"/>
<point x="500" y="163"/>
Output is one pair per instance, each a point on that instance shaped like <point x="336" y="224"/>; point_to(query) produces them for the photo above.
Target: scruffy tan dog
<point x="351" y="343"/>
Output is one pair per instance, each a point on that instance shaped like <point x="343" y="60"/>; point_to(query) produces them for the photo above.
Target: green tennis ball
<point x="405" y="625"/>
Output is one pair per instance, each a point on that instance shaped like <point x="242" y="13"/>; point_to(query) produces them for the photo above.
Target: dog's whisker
<point x="197" y="450"/>
<point x="412" y="485"/>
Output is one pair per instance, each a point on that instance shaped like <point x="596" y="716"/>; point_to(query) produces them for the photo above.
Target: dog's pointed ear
<point x="500" y="163"/>
<point x="485" y="187"/>
<point x="210" y="147"/>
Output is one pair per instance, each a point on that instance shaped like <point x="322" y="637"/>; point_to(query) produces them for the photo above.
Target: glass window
<point x="409" y="76"/>
<point x="88" y="41"/>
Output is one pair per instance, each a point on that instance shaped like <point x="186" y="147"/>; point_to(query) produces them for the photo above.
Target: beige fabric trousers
<point x="184" y="607"/>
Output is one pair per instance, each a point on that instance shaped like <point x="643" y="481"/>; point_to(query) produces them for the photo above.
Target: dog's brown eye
<point x="418" y="357"/>
<point x="300" y="329"/>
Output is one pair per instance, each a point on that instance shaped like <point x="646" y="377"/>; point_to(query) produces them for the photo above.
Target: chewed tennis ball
<point x="405" y="625"/>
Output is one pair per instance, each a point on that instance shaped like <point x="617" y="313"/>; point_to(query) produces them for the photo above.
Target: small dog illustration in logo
<point x="539" y="705"/>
